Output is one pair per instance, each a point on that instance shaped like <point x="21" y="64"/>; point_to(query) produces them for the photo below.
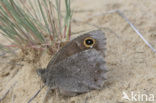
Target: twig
<point x="3" y="97"/>
<point x="132" y="26"/>
<point x="35" y="94"/>
<point x="126" y="19"/>
<point x="13" y="98"/>
<point x="136" y="30"/>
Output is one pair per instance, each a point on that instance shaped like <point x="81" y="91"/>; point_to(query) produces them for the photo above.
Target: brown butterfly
<point x="79" y="66"/>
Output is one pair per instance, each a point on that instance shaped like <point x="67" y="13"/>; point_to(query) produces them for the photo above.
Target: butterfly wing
<point x="76" y="46"/>
<point x="78" y="73"/>
<point x="75" y="68"/>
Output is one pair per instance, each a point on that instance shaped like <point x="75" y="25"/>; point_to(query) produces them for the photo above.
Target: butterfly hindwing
<point x="79" y="73"/>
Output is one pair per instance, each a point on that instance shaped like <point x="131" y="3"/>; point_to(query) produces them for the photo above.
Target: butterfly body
<point x="79" y="66"/>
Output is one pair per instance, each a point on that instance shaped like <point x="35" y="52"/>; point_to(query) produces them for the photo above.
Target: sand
<point x="131" y="64"/>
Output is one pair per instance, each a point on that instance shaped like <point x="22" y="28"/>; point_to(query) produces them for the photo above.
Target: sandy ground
<point x="131" y="63"/>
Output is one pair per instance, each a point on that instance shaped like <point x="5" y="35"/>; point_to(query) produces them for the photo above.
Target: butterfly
<point x="79" y="66"/>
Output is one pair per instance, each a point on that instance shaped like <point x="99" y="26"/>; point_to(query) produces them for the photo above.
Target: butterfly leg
<point x="67" y="93"/>
<point x="47" y="95"/>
